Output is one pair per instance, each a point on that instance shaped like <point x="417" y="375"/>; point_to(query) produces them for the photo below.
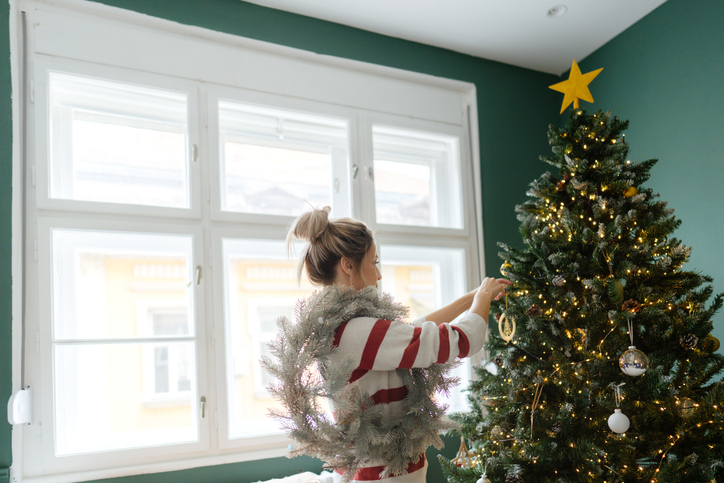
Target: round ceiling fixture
<point x="557" y="11"/>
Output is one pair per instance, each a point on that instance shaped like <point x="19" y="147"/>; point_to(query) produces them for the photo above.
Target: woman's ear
<point x="347" y="265"/>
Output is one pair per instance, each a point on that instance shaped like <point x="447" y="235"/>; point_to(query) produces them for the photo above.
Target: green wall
<point x="6" y="137"/>
<point x="665" y="74"/>
<point x="514" y="109"/>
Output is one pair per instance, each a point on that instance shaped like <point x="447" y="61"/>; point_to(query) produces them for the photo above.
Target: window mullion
<point x="362" y="174"/>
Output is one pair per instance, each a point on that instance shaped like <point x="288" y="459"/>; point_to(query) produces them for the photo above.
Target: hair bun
<point x="311" y="225"/>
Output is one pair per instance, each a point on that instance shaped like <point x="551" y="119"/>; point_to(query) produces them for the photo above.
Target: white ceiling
<point x="516" y="32"/>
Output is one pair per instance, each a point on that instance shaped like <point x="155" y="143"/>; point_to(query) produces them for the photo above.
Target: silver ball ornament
<point x="633" y="362"/>
<point x="483" y="479"/>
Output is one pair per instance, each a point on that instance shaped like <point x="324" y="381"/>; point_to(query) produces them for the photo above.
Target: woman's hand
<point x="479" y="299"/>
<point x="491" y="289"/>
<point x="494" y="288"/>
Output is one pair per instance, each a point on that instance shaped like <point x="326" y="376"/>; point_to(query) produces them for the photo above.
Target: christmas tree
<point x="611" y="372"/>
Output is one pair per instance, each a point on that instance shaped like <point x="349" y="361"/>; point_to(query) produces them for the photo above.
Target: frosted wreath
<point x="360" y="437"/>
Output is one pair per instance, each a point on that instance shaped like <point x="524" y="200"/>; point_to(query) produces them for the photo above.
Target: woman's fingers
<point x="494" y="287"/>
<point x="502" y="281"/>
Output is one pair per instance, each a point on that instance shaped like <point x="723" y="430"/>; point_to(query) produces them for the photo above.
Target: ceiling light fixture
<point x="557" y="11"/>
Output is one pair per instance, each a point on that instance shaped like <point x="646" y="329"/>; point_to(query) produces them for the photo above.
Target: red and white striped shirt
<point x="379" y="347"/>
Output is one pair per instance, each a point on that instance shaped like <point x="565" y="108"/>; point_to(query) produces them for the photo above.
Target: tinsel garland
<point x="308" y="371"/>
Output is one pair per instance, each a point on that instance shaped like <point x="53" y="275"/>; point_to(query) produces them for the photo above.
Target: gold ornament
<point x="631" y="191"/>
<point x="463" y="458"/>
<point x="506" y="326"/>
<point x="576" y="87"/>
<point x="505" y="267"/>
<point x="710" y="343"/>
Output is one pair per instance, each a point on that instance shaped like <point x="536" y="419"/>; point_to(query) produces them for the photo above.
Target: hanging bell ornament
<point x="633" y="362"/>
<point x="618" y="422"/>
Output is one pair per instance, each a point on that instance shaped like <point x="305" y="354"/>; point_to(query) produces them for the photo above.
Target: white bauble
<point x="483" y="479"/>
<point x="492" y="368"/>
<point x="618" y="422"/>
<point x="633" y="362"/>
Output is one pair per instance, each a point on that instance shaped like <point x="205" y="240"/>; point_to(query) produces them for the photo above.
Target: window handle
<point x="203" y="407"/>
<point x="371" y="173"/>
<point x="198" y="275"/>
<point x="194" y="152"/>
<point x="336" y="184"/>
<point x="355" y="170"/>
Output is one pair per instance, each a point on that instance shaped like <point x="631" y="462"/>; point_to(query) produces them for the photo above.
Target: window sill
<point x="184" y="464"/>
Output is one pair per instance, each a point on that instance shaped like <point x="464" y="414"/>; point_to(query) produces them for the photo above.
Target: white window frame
<point x="240" y="69"/>
<point x="46" y="432"/>
<point x="439" y="168"/>
<point x="365" y="197"/>
<point x="40" y="149"/>
<point x="341" y="200"/>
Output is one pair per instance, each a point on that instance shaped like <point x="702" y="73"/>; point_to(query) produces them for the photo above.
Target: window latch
<point x="355" y="170"/>
<point x="198" y="275"/>
<point x="20" y="407"/>
<point x="371" y="173"/>
<point x="203" y="407"/>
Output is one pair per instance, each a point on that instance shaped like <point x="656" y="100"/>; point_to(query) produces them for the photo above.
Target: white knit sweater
<point x="380" y="347"/>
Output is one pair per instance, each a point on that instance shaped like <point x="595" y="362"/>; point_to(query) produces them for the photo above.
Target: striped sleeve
<point x="382" y="345"/>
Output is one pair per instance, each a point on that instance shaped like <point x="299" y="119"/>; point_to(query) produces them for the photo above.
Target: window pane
<point x="417" y="178"/>
<point x="121" y="285"/>
<point x="111" y="285"/>
<point x="260" y="286"/>
<point x="426" y="279"/>
<point x="117" y="143"/>
<point x="278" y="162"/>
<point x="106" y="396"/>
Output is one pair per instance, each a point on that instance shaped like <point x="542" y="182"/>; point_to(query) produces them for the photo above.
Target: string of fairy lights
<point x="556" y="224"/>
<point x="558" y="367"/>
<point x="597" y="204"/>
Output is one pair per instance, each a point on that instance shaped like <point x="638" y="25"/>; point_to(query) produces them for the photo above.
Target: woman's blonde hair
<point x="329" y="241"/>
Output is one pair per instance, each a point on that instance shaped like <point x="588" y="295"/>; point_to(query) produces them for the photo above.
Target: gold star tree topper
<point x="576" y="87"/>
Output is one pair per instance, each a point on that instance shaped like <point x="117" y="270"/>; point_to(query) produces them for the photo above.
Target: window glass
<point x="280" y="162"/>
<point x="117" y="143"/>
<point x="113" y="284"/>
<point x="417" y="178"/>
<point x="101" y="403"/>
<point x="110" y="290"/>
<point x="260" y="286"/>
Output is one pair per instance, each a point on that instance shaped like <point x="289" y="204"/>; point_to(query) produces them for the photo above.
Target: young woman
<point x="384" y="408"/>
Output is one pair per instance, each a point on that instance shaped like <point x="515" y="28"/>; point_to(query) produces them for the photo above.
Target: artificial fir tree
<point x="600" y="272"/>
